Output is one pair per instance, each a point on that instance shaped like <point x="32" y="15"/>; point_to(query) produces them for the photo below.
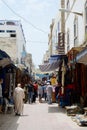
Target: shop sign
<point x="61" y="43"/>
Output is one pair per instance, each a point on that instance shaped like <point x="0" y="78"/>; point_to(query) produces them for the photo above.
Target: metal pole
<point x="63" y="31"/>
<point x="62" y="17"/>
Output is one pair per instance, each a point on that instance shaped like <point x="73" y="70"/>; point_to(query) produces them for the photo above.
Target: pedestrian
<point x="18" y="100"/>
<point x="1" y="97"/>
<point x="35" y="91"/>
<point x="57" y="89"/>
<point x="49" y="92"/>
<point x="53" y="80"/>
<point x="45" y="92"/>
<point x="40" y="92"/>
<point x="30" y="92"/>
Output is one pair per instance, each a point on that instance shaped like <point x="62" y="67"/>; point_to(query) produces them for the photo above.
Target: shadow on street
<point x="56" y="109"/>
<point x="8" y="122"/>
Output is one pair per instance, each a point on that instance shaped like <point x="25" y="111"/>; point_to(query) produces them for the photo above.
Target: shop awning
<point x="54" y="63"/>
<point x="82" y="56"/>
<point x="49" y="66"/>
<point x="4" y="59"/>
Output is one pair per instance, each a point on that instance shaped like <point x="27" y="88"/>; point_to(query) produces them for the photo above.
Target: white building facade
<point x="12" y="40"/>
<point x="75" y="23"/>
<point x="56" y="39"/>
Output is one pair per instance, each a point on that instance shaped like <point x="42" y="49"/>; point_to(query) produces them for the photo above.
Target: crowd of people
<point x="35" y="90"/>
<point x="43" y="91"/>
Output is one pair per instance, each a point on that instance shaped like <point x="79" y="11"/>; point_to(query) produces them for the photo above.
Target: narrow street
<point x="39" y="116"/>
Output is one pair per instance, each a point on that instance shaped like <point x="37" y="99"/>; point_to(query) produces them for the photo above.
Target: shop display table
<point x="8" y="106"/>
<point x="71" y="110"/>
<point x="81" y="120"/>
<point x="85" y="110"/>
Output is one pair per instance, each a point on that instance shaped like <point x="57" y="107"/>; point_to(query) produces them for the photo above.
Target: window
<point x="2" y="31"/>
<point x="10" y="31"/>
<point x="75" y="31"/>
<point x="68" y="5"/>
<point x="10" y="23"/>
<point x="12" y="35"/>
<point x="2" y="22"/>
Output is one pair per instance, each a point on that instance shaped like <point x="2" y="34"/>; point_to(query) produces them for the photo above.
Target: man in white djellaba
<point x="49" y="90"/>
<point x="18" y="100"/>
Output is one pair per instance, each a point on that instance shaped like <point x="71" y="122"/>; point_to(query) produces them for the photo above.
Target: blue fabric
<point x="1" y="101"/>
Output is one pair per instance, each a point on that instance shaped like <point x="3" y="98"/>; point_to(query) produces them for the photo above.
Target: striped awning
<point x="54" y="63"/>
<point x="50" y="66"/>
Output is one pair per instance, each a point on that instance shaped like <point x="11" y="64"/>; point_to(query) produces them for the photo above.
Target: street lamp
<point x="69" y="11"/>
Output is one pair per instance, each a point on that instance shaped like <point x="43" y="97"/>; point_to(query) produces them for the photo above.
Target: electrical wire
<point x="23" y="18"/>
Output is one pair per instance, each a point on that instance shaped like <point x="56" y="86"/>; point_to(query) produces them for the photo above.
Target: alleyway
<point x="39" y="116"/>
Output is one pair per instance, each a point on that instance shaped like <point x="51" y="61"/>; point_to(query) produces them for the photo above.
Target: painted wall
<point x="75" y="6"/>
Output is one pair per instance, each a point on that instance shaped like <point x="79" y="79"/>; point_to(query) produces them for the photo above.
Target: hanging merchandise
<point x="63" y="75"/>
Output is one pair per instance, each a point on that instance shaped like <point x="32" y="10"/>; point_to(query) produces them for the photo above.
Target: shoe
<point x="19" y="114"/>
<point x="16" y="114"/>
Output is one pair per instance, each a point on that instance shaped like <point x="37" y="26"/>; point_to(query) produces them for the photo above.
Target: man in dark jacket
<point x="30" y="92"/>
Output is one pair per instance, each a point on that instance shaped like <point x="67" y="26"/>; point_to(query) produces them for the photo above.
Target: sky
<point x="36" y="17"/>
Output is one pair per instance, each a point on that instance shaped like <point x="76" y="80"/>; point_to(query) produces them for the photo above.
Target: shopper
<point x="30" y="92"/>
<point x="18" y="100"/>
<point x="40" y="92"/>
<point x="49" y="92"/>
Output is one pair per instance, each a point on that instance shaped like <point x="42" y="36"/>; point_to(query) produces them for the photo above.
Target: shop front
<point x="81" y="60"/>
<point x="8" y="74"/>
<point x="55" y="63"/>
<point x="73" y="78"/>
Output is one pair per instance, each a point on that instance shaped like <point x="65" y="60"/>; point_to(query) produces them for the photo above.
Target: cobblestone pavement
<point x="39" y="116"/>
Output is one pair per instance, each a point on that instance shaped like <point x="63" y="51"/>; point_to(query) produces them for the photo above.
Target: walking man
<point x="18" y="100"/>
<point x="30" y="92"/>
<point x="49" y="92"/>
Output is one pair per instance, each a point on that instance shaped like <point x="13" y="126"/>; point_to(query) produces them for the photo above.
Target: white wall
<point x="56" y="30"/>
<point x="77" y="6"/>
<point x="12" y="45"/>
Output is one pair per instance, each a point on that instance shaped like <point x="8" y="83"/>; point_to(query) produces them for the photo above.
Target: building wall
<point x="12" y="39"/>
<point x="55" y="31"/>
<point x="74" y="6"/>
<point x="58" y="29"/>
<point x="29" y="62"/>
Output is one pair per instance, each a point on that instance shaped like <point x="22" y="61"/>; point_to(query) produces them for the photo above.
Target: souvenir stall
<point x="81" y="60"/>
<point x="7" y="73"/>
<point x="9" y="82"/>
<point x="73" y="79"/>
<point x="22" y="75"/>
<point x="81" y="82"/>
<point x="55" y="62"/>
<point x="61" y="80"/>
<point x="81" y="87"/>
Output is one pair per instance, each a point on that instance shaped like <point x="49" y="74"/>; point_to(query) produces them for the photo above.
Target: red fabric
<point x="35" y="86"/>
<point x="71" y="86"/>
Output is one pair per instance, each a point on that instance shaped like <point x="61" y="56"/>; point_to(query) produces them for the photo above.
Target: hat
<point x="48" y="83"/>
